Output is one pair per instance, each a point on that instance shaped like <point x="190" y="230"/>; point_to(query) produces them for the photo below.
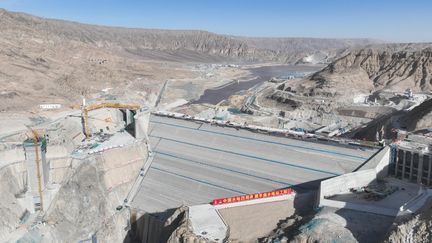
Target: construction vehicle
<point x="87" y="108"/>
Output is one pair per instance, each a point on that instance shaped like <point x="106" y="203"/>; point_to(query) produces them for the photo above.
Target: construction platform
<point x="196" y="162"/>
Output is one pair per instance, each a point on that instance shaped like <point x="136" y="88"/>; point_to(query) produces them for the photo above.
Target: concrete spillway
<point x="195" y="163"/>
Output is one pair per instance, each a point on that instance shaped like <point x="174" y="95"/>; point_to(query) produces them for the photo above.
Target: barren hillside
<point x="394" y="67"/>
<point x="304" y="50"/>
<point x="149" y="43"/>
<point x="55" y="61"/>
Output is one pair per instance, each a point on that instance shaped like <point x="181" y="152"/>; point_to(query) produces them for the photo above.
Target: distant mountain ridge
<point x="166" y="44"/>
<point x="48" y="60"/>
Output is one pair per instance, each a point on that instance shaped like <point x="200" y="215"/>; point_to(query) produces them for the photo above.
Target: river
<point x="261" y="74"/>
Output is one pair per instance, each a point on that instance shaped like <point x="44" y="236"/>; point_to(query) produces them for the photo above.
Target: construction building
<point x="412" y="163"/>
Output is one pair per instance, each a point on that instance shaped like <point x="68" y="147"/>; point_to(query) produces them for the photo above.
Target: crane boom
<point x="36" y="137"/>
<point x="87" y="108"/>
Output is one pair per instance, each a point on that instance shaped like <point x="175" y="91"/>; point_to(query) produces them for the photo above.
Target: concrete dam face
<point x="196" y="162"/>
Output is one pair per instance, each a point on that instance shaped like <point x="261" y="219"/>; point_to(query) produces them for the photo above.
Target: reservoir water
<point x="260" y="74"/>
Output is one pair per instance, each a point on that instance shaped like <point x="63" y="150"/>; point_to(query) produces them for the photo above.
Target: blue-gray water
<point x="262" y="74"/>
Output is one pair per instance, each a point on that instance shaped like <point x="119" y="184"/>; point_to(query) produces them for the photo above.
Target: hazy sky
<point x="392" y="20"/>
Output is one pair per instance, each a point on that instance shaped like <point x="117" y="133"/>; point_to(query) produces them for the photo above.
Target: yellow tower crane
<point x="87" y="108"/>
<point x="36" y="136"/>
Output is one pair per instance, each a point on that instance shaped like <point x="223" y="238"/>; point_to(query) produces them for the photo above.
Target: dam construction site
<point x="159" y="176"/>
<point x="143" y="135"/>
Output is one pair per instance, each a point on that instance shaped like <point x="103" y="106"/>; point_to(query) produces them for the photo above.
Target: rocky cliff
<point x="383" y="67"/>
<point x="11" y="186"/>
<point x="87" y="201"/>
<point x="413" y="229"/>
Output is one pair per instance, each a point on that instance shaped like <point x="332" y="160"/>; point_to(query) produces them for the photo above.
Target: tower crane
<point x="87" y="108"/>
<point x="36" y="136"/>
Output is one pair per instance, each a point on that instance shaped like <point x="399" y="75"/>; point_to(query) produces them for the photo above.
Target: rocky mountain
<point x="302" y="50"/>
<point x="394" y="67"/>
<point x="55" y="61"/>
<point x="175" y="45"/>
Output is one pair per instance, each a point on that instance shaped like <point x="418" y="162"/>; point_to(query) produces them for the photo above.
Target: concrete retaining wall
<point x="342" y="184"/>
<point x="379" y="162"/>
<point x="384" y="161"/>
<point x="375" y="168"/>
